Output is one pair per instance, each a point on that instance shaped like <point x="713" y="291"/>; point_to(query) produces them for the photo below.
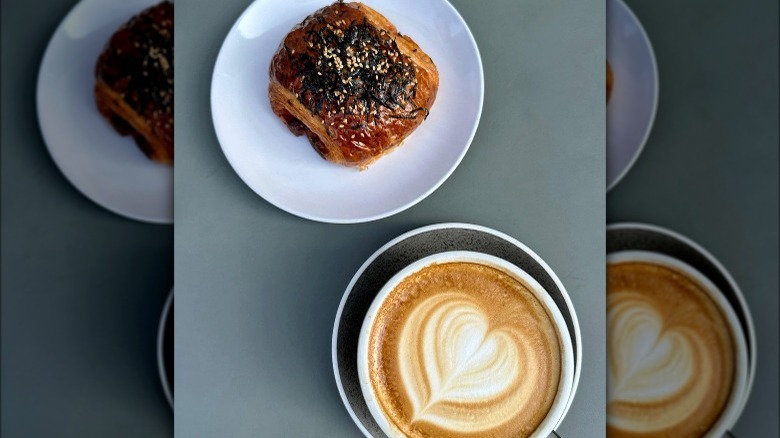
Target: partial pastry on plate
<point x="134" y="81"/>
<point x="347" y="79"/>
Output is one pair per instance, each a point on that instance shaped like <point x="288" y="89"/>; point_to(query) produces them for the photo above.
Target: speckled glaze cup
<point x="406" y="250"/>
<point x="651" y="243"/>
<point x="565" y="362"/>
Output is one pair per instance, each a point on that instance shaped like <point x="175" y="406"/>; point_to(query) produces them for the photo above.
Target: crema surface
<point x="671" y="358"/>
<point x="464" y="350"/>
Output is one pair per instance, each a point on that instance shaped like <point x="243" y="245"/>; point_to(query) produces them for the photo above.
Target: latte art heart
<point x="654" y="365"/>
<point x="461" y="349"/>
<point x="670" y="356"/>
<point x="447" y="343"/>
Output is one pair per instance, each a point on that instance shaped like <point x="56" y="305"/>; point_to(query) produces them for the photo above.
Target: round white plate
<point x="288" y="172"/>
<point x="106" y="167"/>
<point x="632" y="106"/>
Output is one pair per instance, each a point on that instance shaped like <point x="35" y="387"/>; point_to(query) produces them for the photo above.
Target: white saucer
<point x="105" y="167"/>
<point x="164" y="332"/>
<point x="286" y="170"/>
<point x="632" y="106"/>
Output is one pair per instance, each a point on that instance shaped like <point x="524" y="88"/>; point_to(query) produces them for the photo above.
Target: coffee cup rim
<point x="741" y="382"/>
<point x="566" y="382"/>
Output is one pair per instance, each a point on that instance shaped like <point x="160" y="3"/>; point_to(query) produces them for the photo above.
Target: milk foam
<point x="668" y="369"/>
<point x="450" y="356"/>
<point x="463" y="349"/>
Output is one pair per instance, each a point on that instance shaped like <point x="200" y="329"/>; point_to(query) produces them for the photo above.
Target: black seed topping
<point x="355" y="71"/>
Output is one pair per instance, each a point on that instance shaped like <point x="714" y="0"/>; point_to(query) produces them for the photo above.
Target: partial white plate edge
<point x="649" y="129"/>
<point x="160" y="354"/>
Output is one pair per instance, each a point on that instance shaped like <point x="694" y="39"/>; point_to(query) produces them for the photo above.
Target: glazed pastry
<point x="134" y="81"/>
<point x="351" y="83"/>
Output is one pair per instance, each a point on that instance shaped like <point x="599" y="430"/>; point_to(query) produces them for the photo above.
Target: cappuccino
<point x="463" y="349"/>
<point x="671" y="354"/>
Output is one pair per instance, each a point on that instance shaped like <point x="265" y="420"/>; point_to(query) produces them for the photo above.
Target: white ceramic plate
<point x="632" y="106"/>
<point x="286" y="170"/>
<point x="105" y="167"/>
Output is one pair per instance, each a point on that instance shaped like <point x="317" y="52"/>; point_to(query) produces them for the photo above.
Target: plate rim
<point x="363" y="218"/>
<point x="47" y="137"/>
<point x="160" y="338"/>
<point x="577" y="335"/>
<point x="654" y="112"/>
<point x="745" y="309"/>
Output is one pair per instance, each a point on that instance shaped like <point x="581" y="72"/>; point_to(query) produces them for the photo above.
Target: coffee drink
<point x="671" y="354"/>
<point x="463" y="349"/>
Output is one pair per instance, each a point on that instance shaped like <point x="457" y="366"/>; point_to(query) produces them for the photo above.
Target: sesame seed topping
<point x="359" y="69"/>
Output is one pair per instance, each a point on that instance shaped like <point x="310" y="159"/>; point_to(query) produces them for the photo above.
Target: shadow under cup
<point x="650" y="244"/>
<point x="402" y="252"/>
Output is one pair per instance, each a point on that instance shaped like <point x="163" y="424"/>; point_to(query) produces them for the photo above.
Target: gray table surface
<point x="710" y="168"/>
<point x="82" y="288"/>
<point x="257" y="289"/>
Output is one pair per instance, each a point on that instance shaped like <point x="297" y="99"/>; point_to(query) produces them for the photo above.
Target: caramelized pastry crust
<point x="134" y="81"/>
<point x="351" y="83"/>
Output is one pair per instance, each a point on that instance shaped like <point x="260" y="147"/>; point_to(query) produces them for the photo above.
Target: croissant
<point x="351" y="83"/>
<point x="134" y="81"/>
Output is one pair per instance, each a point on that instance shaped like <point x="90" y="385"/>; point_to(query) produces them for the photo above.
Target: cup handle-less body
<point x="567" y="377"/>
